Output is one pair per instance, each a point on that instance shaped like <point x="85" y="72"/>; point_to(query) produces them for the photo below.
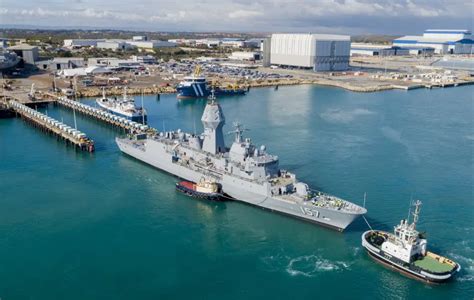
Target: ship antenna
<point x="416" y="213"/>
<point x="143" y="111"/>
<point x="409" y="207"/>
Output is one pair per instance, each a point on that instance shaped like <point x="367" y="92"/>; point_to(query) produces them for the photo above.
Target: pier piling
<point x="52" y="126"/>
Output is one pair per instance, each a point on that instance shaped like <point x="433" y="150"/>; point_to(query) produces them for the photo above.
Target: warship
<point x="406" y="251"/>
<point x="244" y="171"/>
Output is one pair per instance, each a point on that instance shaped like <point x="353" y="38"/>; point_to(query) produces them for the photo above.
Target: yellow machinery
<point x="197" y="70"/>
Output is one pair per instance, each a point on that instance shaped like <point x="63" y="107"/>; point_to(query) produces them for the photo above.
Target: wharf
<point x="50" y="125"/>
<point x="23" y="96"/>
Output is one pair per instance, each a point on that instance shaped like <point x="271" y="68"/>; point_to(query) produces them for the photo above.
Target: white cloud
<point x="423" y="11"/>
<point x="241" y="14"/>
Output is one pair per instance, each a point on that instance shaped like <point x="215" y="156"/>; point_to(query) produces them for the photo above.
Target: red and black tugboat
<point x="204" y="189"/>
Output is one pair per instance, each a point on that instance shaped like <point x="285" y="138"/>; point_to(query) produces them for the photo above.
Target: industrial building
<point x="92" y="70"/>
<point x="420" y="50"/>
<point x="80" y="43"/>
<point x="115" y="45"/>
<point x="211" y="43"/>
<point x="366" y="49"/>
<point x="443" y="41"/>
<point x="320" y="52"/>
<point x="244" y="55"/>
<point x="143" y="59"/>
<point x="232" y="42"/>
<point x="140" y="38"/>
<point x="150" y="44"/>
<point x="61" y="63"/>
<point x="28" y="53"/>
<point x="253" y="43"/>
<point x="113" y="62"/>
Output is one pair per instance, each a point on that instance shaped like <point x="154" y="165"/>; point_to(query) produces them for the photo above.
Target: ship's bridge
<point x="194" y="79"/>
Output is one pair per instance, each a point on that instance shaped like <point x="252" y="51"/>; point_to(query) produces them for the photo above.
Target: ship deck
<point x="433" y="264"/>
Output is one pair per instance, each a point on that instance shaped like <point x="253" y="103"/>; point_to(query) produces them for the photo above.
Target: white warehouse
<point x="443" y="41"/>
<point x="321" y="52"/>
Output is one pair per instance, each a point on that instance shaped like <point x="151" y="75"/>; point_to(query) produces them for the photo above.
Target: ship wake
<point x="311" y="265"/>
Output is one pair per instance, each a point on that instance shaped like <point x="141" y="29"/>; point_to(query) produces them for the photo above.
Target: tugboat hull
<point x="187" y="189"/>
<point x="202" y="91"/>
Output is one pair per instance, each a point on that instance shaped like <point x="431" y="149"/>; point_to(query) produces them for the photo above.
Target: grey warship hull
<point x="258" y="194"/>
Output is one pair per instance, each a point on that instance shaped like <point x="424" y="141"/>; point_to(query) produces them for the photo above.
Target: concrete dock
<point x="52" y="126"/>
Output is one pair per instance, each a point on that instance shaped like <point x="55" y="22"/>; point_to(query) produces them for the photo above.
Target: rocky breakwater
<point x="96" y="92"/>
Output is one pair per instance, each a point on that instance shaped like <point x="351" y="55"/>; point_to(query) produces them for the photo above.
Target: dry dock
<point x="51" y="126"/>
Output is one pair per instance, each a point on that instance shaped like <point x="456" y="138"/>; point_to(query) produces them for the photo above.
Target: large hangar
<point x="321" y="52"/>
<point x="443" y="41"/>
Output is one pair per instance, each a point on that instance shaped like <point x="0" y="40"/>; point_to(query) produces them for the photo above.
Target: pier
<point x="52" y="126"/>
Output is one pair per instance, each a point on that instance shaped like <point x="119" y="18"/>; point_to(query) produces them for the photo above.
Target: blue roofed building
<point x="443" y="41"/>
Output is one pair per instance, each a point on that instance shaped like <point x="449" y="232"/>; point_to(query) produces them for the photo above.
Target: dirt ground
<point x="359" y="78"/>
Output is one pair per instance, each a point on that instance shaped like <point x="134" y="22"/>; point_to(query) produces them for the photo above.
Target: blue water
<point x="75" y="225"/>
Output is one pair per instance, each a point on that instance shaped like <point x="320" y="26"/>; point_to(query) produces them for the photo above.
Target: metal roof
<point x="416" y="39"/>
<point x="22" y="47"/>
<point x="449" y="31"/>
<point x="318" y="36"/>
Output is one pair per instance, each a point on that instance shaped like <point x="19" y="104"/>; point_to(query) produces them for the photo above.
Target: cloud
<point x="242" y="14"/>
<point x="344" y="16"/>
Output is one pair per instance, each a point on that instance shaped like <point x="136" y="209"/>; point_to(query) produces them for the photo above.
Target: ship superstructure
<point x="406" y="250"/>
<point x="244" y="171"/>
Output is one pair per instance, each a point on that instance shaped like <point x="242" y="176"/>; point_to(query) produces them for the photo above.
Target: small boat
<point x="406" y="251"/>
<point x="204" y="189"/>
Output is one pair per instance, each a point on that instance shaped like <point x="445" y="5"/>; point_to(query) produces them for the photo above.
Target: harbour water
<point x="76" y="225"/>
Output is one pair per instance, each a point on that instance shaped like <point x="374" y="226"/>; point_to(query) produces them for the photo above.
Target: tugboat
<point x="204" y="189"/>
<point x="406" y="251"/>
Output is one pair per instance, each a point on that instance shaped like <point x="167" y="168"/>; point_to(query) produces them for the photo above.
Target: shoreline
<point x="96" y="91"/>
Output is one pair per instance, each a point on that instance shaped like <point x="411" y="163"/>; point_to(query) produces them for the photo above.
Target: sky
<point x="319" y="16"/>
